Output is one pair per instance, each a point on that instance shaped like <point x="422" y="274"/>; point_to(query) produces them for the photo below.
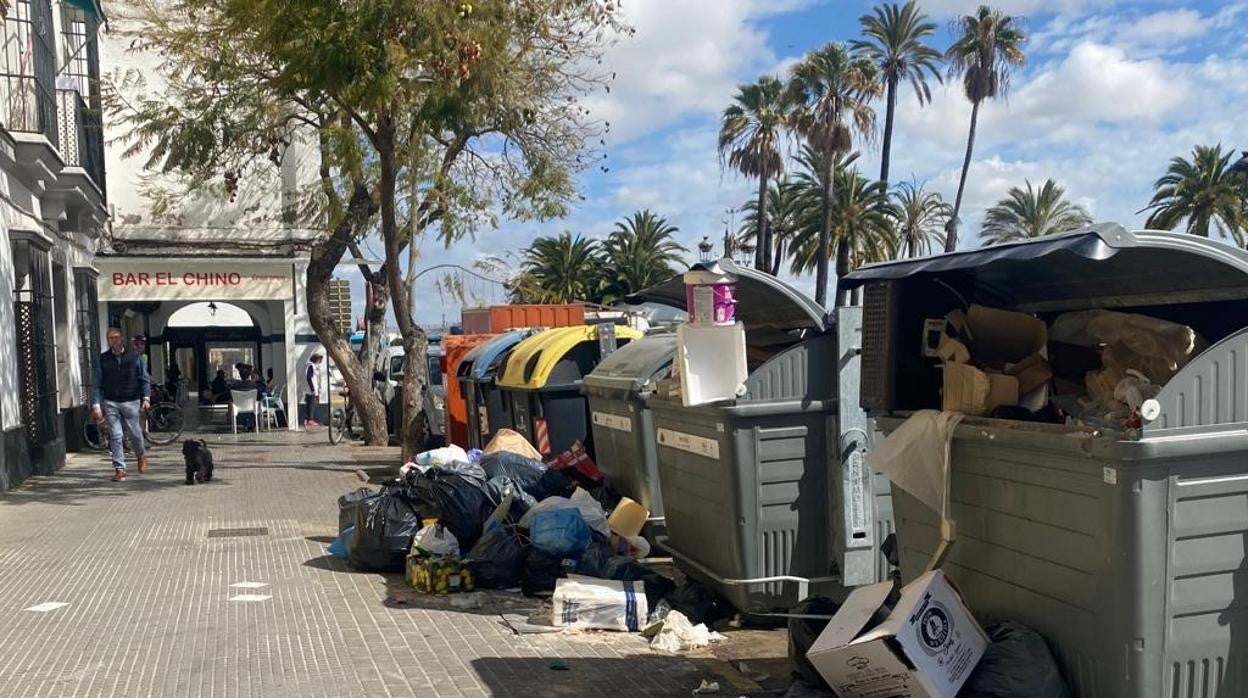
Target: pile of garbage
<point x="1097" y="368"/>
<point x="503" y="519"/>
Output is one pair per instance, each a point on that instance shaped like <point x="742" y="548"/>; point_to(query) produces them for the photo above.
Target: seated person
<point x="220" y="388"/>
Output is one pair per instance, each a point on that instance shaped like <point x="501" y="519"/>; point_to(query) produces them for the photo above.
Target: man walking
<point x="120" y="395"/>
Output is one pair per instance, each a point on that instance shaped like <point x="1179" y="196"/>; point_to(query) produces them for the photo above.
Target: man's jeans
<point x="123" y="415"/>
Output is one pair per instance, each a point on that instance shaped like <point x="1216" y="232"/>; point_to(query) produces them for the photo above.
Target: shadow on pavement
<point x="82" y="487"/>
<point x="649" y="674"/>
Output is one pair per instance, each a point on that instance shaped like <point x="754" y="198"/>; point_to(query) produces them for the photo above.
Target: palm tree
<point x="1204" y="192"/>
<point x="640" y="253"/>
<point x="562" y="269"/>
<point x="921" y="215"/>
<point x="988" y="45"/>
<point x="862" y="222"/>
<point x="893" y="40"/>
<point x="832" y="91"/>
<point x="749" y="139"/>
<point x="1033" y="213"/>
<point x="789" y="207"/>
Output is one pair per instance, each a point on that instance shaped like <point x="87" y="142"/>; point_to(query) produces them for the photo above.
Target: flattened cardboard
<point x="975" y="393"/>
<point x="926" y="648"/>
<point x="999" y="337"/>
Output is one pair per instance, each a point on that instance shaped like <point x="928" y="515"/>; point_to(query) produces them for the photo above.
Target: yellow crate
<point x="438" y="575"/>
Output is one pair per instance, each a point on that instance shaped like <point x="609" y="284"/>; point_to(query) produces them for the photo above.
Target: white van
<point x="391" y="362"/>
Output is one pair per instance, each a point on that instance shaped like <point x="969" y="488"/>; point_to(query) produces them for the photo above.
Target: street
<point x="148" y="588"/>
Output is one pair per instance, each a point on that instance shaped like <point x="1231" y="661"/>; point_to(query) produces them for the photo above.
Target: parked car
<point x="391" y="362"/>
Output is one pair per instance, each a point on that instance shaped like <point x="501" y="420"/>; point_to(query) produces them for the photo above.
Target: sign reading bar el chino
<point x="133" y="280"/>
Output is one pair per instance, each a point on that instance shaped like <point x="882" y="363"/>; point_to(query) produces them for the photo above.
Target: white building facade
<point x="168" y="254"/>
<point x="53" y="209"/>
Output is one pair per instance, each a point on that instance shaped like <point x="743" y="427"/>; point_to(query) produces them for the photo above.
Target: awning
<point x="1101" y="266"/>
<point x="91" y="7"/>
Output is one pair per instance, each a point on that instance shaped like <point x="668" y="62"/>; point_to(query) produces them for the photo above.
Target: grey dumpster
<point x="619" y="393"/>
<point x="477" y="374"/>
<point x="766" y="497"/>
<point x="1125" y="549"/>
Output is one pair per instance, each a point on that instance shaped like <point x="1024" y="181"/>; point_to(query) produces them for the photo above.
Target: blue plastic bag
<point x="342" y="543"/>
<point x="560" y="532"/>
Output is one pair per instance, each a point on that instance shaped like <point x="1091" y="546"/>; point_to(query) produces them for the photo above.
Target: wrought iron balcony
<point x="81" y="136"/>
<point x="27" y="64"/>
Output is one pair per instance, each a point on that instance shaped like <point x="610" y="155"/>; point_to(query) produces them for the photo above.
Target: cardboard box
<point x="926" y="648"/>
<point x="1008" y="352"/>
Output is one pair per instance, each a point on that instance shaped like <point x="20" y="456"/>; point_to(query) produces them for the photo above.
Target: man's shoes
<point x="118" y="475"/>
<point x="142" y="464"/>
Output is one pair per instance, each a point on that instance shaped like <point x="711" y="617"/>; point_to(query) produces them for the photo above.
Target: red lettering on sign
<point x="119" y="279"/>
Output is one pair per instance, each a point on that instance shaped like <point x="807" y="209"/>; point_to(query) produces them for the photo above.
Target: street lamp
<point x="706" y="250"/>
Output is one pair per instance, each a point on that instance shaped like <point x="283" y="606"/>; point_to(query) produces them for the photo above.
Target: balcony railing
<point x="81" y="135"/>
<point x="27" y="64"/>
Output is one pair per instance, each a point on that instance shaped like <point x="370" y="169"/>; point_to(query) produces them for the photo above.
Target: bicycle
<point x="162" y="425"/>
<point x="342" y="423"/>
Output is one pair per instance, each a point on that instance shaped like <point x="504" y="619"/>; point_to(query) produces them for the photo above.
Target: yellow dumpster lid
<point x="543" y="351"/>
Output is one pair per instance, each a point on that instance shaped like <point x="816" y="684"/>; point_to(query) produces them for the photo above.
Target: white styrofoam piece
<point x="712" y="362"/>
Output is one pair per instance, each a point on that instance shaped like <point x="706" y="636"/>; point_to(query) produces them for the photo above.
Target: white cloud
<point x="1170" y="25"/>
<point x="1011" y="7"/>
<point x="686" y="57"/>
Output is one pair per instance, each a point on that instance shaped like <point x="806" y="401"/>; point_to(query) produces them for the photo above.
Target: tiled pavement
<point x="148" y="595"/>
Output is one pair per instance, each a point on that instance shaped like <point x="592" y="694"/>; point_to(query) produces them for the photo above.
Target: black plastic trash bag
<point x="600" y="561"/>
<point x="348" y="503"/>
<point x="526" y="472"/>
<point x="802" y="634"/>
<point x="497" y="560"/>
<point x="521" y="501"/>
<point x="1017" y="664"/>
<point x="700" y="605"/>
<point x="541" y="571"/>
<point x="458" y="497"/>
<point x="384" y="528"/>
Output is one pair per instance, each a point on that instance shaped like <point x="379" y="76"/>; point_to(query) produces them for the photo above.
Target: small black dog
<point x="198" y="461"/>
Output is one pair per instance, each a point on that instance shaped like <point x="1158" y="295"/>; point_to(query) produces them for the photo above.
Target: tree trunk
<point x="775" y="265"/>
<point x="762" y="249"/>
<point x="413" y="423"/>
<point x="357" y="376"/>
<point x="889" y="114"/>
<point x="951" y="227"/>
<point x="825" y="229"/>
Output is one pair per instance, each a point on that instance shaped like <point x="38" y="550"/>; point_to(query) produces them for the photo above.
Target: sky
<point x="1110" y="93"/>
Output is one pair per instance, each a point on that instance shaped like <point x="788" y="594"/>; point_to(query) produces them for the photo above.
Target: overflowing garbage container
<point x="541" y="384"/>
<point x="623" y="427"/>
<point x="766" y="496"/>
<point x="476" y="376"/>
<point x="1105" y="505"/>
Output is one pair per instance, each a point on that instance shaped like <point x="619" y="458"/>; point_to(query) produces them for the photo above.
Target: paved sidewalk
<point x="150" y="609"/>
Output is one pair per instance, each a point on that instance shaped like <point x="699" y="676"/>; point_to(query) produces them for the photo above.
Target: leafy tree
<point x="1203" y="194"/>
<point x="432" y="119"/>
<point x="792" y="213"/>
<point x="920" y="218"/>
<point x="1032" y="213"/>
<point x="862" y="220"/>
<point x="562" y="269"/>
<point x="641" y="252"/>
<point x="832" y="91"/>
<point x="987" y="45"/>
<point x="893" y="40"/>
<point x="750" y="131"/>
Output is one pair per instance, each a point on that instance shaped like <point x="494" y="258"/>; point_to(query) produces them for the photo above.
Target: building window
<point x="80" y="55"/>
<point x="87" y="308"/>
<point x="36" y="341"/>
<point x="27" y="66"/>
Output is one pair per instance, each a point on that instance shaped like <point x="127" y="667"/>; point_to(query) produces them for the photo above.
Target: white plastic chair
<point x="243" y="402"/>
<point x="270" y="407"/>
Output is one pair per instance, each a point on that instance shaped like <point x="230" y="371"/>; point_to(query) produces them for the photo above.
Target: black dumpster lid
<point x="634" y="365"/>
<point x="763" y="301"/>
<point x="1102" y="266"/>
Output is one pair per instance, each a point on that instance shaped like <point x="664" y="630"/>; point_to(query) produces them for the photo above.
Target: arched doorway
<point x="204" y="338"/>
